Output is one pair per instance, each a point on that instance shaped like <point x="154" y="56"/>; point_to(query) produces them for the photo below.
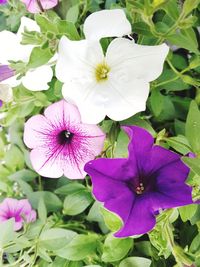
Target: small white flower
<point x="11" y="49"/>
<point x="115" y="84"/>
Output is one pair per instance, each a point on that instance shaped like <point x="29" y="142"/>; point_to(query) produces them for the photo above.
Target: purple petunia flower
<point x="6" y="72"/>
<point x="152" y="178"/>
<point x="61" y="143"/>
<point x="3" y="2"/>
<point x="20" y="210"/>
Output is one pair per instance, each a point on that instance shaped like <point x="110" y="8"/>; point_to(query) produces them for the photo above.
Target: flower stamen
<point x="139" y="189"/>
<point x="65" y="137"/>
<point x="101" y="72"/>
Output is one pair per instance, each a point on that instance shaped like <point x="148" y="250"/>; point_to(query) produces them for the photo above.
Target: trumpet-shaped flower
<point x="11" y="49"/>
<point x="136" y="188"/>
<point x="115" y="84"/>
<point x="36" y="6"/>
<point x="19" y="210"/>
<point x="60" y="143"/>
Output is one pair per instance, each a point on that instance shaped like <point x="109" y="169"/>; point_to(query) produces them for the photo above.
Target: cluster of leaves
<point x="72" y="228"/>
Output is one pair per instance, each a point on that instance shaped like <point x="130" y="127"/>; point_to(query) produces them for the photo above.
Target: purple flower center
<point x="137" y="188"/>
<point x="65" y="137"/>
<point x="143" y="183"/>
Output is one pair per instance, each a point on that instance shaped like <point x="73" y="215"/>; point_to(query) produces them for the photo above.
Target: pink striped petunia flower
<point x="61" y="143"/>
<point x="20" y="210"/>
<point x="36" y="6"/>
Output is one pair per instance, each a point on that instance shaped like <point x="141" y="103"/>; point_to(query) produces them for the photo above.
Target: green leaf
<point x="135" y="262"/>
<point x="112" y="221"/>
<point x="193" y="164"/>
<point x="115" y="249"/>
<point x="135" y="120"/>
<point x="156" y="101"/>
<point x="39" y="57"/>
<point x="172" y="9"/>
<point x="26" y="188"/>
<point x="7" y="232"/>
<point x="14" y="158"/>
<point x="25" y="175"/>
<point x="142" y="28"/>
<point x="42" y="211"/>
<point x="72" y="14"/>
<point x="69" y="29"/>
<point x="70" y="188"/>
<point x="179" y="62"/>
<point x="45" y="24"/>
<point x="195" y="245"/>
<point x="77" y="202"/>
<point x="192" y="129"/>
<point x="80" y="247"/>
<point x="95" y="213"/>
<point x="174" y="85"/>
<point x="184" y="40"/>
<point x="55" y="238"/>
<point x="52" y="202"/>
<point x="121" y="149"/>
<point x="179" y="143"/>
<point x="44" y="255"/>
<point x="189" y="5"/>
<point x="187" y="212"/>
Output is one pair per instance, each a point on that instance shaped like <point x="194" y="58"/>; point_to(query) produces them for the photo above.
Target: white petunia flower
<point x="115" y="84"/>
<point x="11" y="49"/>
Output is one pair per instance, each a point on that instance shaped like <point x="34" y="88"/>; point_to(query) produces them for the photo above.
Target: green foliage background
<point x="74" y="230"/>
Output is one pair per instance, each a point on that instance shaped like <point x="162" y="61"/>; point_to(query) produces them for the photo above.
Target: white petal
<point x="106" y="23"/>
<point x="138" y="61"/>
<point x="77" y="59"/>
<point x="12" y="81"/>
<point x="27" y="24"/>
<point x="10" y="49"/>
<point x="90" y="99"/>
<point x="126" y="98"/>
<point x="6" y="93"/>
<point x="37" y="79"/>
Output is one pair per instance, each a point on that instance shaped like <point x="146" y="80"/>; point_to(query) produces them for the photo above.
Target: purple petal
<point x="5" y="72"/>
<point x="141" y="218"/>
<point x="140" y="145"/>
<point x="33" y="7"/>
<point x="107" y="186"/>
<point x="3" y="2"/>
<point x="158" y="158"/>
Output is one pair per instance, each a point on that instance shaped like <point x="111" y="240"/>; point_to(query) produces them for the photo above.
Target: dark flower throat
<point x="65" y="137"/>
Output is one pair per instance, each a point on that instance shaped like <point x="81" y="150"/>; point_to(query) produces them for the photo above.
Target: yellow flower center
<point x="101" y="72"/>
